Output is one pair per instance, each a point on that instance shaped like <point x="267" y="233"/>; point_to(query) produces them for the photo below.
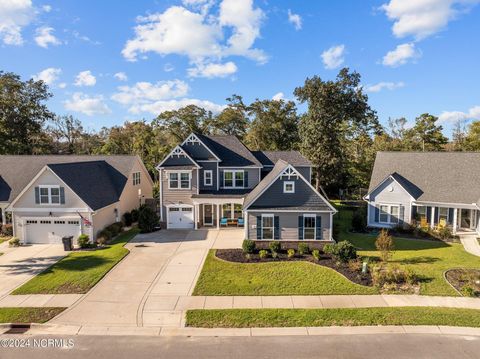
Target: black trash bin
<point x="67" y="243"/>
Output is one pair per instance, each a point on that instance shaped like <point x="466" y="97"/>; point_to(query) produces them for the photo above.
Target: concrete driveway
<point x="18" y="265"/>
<point x="160" y="267"/>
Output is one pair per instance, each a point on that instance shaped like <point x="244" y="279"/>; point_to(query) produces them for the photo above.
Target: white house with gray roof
<point x="432" y="188"/>
<point x="49" y="197"/>
<point x="216" y="181"/>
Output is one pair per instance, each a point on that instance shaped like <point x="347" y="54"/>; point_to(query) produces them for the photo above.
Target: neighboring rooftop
<point x="269" y="158"/>
<point x="16" y="172"/>
<point x="452" y="177"/>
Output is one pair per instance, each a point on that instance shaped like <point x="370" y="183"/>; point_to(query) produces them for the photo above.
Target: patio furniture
<point x="224" y="222"/>
<point x="240" y="222"/>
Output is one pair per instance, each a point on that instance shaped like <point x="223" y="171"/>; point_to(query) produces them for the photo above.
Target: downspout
<point x="160" y="182"/>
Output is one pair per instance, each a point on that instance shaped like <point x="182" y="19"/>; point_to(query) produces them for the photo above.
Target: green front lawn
<point x="255" y="318"/>
<point x="79" y="271"/>
<point x="427" y="258"/>
<point x="219" y="277"/>
<point x="28" y="315"/>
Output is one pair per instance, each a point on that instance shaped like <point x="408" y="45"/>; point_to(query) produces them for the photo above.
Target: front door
<point x="465" y="218"/>
<point x="208" y="214"/>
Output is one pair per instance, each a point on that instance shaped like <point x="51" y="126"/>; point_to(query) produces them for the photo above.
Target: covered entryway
<point x="180" y="217"/>
<point x="48" y="230"/>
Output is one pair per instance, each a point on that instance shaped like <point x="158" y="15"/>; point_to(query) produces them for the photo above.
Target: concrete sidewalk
<point x="40" y="300"/>
<point x="470" y="243"/>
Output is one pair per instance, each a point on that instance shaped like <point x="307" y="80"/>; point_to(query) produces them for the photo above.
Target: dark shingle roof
<point x="231" y="151"/>
<point x="269" y="158"/>
<point x="16" y="172"/>
<point x="97" y="183"/>
<point x="450" y="177"/>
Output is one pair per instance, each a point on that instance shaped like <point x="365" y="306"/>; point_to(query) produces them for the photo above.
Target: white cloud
<point x="333" y="57"/>
<point x="62" y="85"/>
<point x="168" y="67"/>
<point x="401" y="55"/>
<point x="455" y="116"/>
<point x="146" y="92"/>
<point x="49" y="75"/>
<point x="88" y="105"/>
<point x="47" y="8"/>
<point x="278" y="96"/>
<point x="201" y="35"/>
<point x="85" y="78"/>
<point x="121" y="76"/>
<point x="213" y="70"/>
<point x="295" y="19"/>
<point x="14" y="15"/>
<point x="44" y="37"/>
<point x="384" y="86"/>
<point x="160" y="106"/>
<point x="423" y="18"/>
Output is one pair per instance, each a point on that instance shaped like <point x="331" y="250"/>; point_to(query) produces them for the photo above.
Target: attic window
<point x="288" y="187"/>
<point x="136" y="178"/>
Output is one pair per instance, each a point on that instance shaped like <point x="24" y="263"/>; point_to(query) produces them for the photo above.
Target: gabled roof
<point x="269" y="158"/>
<point x="16" y="172"/>
<point x="178" y="151"/>
<point x="445" y="177"/>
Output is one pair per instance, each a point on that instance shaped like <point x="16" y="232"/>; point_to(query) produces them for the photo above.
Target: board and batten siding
<point x="389" y="192"/>
<point x="288" y="224"/>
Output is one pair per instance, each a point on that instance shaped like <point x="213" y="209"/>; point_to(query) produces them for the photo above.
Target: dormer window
<point x="288" y="187"/>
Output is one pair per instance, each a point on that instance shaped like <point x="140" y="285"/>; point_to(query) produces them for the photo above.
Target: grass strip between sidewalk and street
<point x="79" y="271"/>
<point x="28" y="315"/>
<point x="253" y="318"/>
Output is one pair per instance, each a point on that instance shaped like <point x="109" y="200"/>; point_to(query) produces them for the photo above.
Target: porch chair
<point x="224" y="222"/>
<point x="240" y="222"/>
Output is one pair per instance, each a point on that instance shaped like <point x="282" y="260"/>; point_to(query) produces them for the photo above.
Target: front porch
<point x="218" y="213"/>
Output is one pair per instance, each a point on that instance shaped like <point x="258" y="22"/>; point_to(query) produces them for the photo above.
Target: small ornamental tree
<point x="384" y="245"/>
<point x="147" y="220"/>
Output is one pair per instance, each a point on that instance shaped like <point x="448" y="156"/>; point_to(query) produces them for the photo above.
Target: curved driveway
<point x="143" y="289"/>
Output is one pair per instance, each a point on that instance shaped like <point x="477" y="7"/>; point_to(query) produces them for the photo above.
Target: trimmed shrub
<point x="303" y="249"/>
<point x="355" y="265"/>
<point x="316" y="254"/>
<point x="135" y="215"/>
<point x="444" y="233"/>
<point x="248" y="246"/>
<point x="336" y="229"/>
<point x="329" y="248"/>
<point x="291" y="253"/>
<point x="345" y="251"/>
<point x="263" y="253"/>
<point x="127" y="219"/>
<point x="147" y="220"/>
<point x="14" y="242"/>
<point x="105" y="234"/>
<point x="7" y="230"/>
<point x="115" y="228"/>
<point x="359" y="220"/>
<point x="384" y="245"/>
<point x="468" y="291"/>
<point x="387" y="275"/>
<point x="275" y="247"/>
<point x="101" y="241"/>
<point x="83" y="241"/>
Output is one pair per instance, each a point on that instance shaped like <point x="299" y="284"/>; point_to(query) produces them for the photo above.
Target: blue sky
<point x="112" y="61"/>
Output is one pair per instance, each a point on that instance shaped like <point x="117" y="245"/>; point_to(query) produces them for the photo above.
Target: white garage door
<point x="50" y="230"/>
<point x="180" y="217"/>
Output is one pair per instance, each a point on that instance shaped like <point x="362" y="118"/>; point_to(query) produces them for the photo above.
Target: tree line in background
<point x="339" y="131"/>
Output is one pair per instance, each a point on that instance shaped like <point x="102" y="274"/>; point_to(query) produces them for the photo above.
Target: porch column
<point x="218" y="216"/>
<point x="432" y="218"/>
<point x="4" y="217"/>
<point x="454" y="224"/>
<point x="195" y="215"/>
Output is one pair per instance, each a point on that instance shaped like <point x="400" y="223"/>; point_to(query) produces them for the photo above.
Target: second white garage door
<point x="180" y="217"/>
<point x="49" y="230"/>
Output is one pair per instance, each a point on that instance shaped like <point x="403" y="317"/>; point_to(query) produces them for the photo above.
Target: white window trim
<point x="448" y="214"/>
<point x="205" y="178"/>
<point x="49" y="187"/>
<point x="232" y="210"/>
<point x="179" y="173"/>
<point x="271" y="215"/>
<point x="136" y="180"/>
<point x="389" y="213"/>
<point x="314" y="216"/>
<point x="285" y="183"/>
<point x="234" y="181"/>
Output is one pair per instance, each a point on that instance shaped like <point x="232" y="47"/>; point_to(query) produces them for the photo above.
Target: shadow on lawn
<point x="417" y="260"/>
<point x="77" y="264"/>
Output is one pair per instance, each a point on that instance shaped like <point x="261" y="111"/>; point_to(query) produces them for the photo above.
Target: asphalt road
<point x="346" y="346"/>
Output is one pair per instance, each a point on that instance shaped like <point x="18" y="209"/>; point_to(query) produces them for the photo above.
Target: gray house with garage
<point x="434" y="189"/>
<point x="217" y="182"/>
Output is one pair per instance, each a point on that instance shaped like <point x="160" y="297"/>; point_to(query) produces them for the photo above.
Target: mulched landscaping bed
<point x="460" y="279"/>
<point x="237" y="256"/>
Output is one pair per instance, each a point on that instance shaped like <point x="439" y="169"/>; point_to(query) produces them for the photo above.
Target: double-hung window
<point x="136" y="178"/>
<point x="233" y="179"/>
<point x="267" y="226"/>
<point x="389" y="214"/>
<point x="422" y="213"/>
<point x="179" y="180"/>
<point x="309" y="223"/>
<point x="207" y="178"/>
<point x="442" y="216"/>
<point x="49" y="194"/>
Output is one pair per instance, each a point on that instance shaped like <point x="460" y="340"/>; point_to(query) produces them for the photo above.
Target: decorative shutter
<point x="401" y="215"/>
<point x="221" y="178"/>
<point x="437" y="214"/>
<point x="259" y="227"/>
<point x="318" y="227"/>
<point x="62" y="195"/>
<point x="429" y="215"/>
<point x="450" y="215"/>
<point x="414" y="212"/>
<point x="276" y="225"/>
<point x="377" y="214"/>
<point x="37" y="195"/>
<point x="300" y="227"/>
<point x="245" y="179"/>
